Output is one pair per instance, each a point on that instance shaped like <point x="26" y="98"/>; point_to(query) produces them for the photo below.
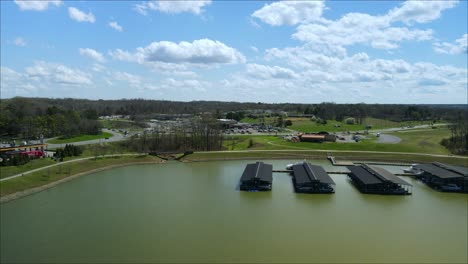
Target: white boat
<point x="413" y="170"/>
<point x="290" y="166"/>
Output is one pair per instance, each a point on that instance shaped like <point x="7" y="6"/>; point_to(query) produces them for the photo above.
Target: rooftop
<point x="375" y="175"/>
<point x="259" y="170"/>
<point x="443" y="170"/>
<point x="306" y="172"/>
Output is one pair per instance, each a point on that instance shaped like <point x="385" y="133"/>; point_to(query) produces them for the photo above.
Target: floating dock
<point x="443" y="177"/>
<point x="257" y="177"/>
<point x="370" y="179"/>
<point x="333" y="161"/>
<point x="309" y="178"/>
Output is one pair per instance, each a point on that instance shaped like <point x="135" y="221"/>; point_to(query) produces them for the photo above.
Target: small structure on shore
<point x="370" y="179"/>
<point x="443" y="177"/>
<point x="257" y="177"/>
<point x="308" y="178"/>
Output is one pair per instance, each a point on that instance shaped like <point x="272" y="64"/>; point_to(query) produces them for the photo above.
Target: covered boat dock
<point x="370" y="179"/>
<point x="444" y="177"/>
<point x="308" y="178"/>
<point x="257" y="177"/>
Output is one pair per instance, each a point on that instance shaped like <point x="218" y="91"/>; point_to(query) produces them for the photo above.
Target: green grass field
<point x="419" y="141"/>
<point x="306" y="125"/>
<point x="80" y="138"/>
<point x="62" y="171"/>
<point x="7" y="171"/>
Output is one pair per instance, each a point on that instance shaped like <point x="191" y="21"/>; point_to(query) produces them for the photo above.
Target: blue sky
<point x="304" y="52"/>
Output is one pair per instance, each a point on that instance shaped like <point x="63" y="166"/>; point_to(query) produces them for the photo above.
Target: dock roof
<point x="259" y="170"/>
<point x="306" y="172"/>
<point x="443" y="170"/>
<point x="375" y="175"/>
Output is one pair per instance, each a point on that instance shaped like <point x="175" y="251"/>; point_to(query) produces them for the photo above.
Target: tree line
<point x="203" y="134"/>
<point x="458" y="141"/>
<point x="28" y="119"/>
<point x="327" y="110"/>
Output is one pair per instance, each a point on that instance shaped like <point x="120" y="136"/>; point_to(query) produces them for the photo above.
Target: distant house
<point x="227" y="123"/>
<point x="312" y="138"/>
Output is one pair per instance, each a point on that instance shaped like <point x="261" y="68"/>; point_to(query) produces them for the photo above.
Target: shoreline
<point x="286" y="156"/>
<point x="24" y="193"/>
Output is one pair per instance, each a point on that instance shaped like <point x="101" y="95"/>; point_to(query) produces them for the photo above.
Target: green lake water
<point x="192" y="212"/>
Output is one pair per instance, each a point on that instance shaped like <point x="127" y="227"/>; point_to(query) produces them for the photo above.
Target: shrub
<point x="350" y="121"/>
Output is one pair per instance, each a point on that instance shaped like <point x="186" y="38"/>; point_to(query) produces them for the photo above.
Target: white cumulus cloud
<point x="358" y="28"/>
<point x="132" y="80"/>
<point x="92" y="54"/>
<point x="290" y="12"/>
<point x="20" y="42"/>
<point x="115" y="26"/>
<point x="459" y="47"/>
<point x="198" y="52"/>
<point x="39" y="5"/>
<point x="378" y="31"/>
<point x="269" y="72"/>
<point x="172" y="7"/>
<point x="420" y="11"/>
<point x="57" y="73"/>
<point x="81" y="16"/>
<point x="190" y="84"/>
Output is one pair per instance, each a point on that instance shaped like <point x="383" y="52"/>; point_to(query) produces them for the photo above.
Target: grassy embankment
<point x="80" y="138"/>
<point x="6" y="171"/>
<point x="315" y="154"/>
<point x="53" y="174"/>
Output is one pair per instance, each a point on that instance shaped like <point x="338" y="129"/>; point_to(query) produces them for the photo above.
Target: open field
<point x="420" y="141"/>
<point x="80" y="138"/>
<point x="56" y="173"/>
